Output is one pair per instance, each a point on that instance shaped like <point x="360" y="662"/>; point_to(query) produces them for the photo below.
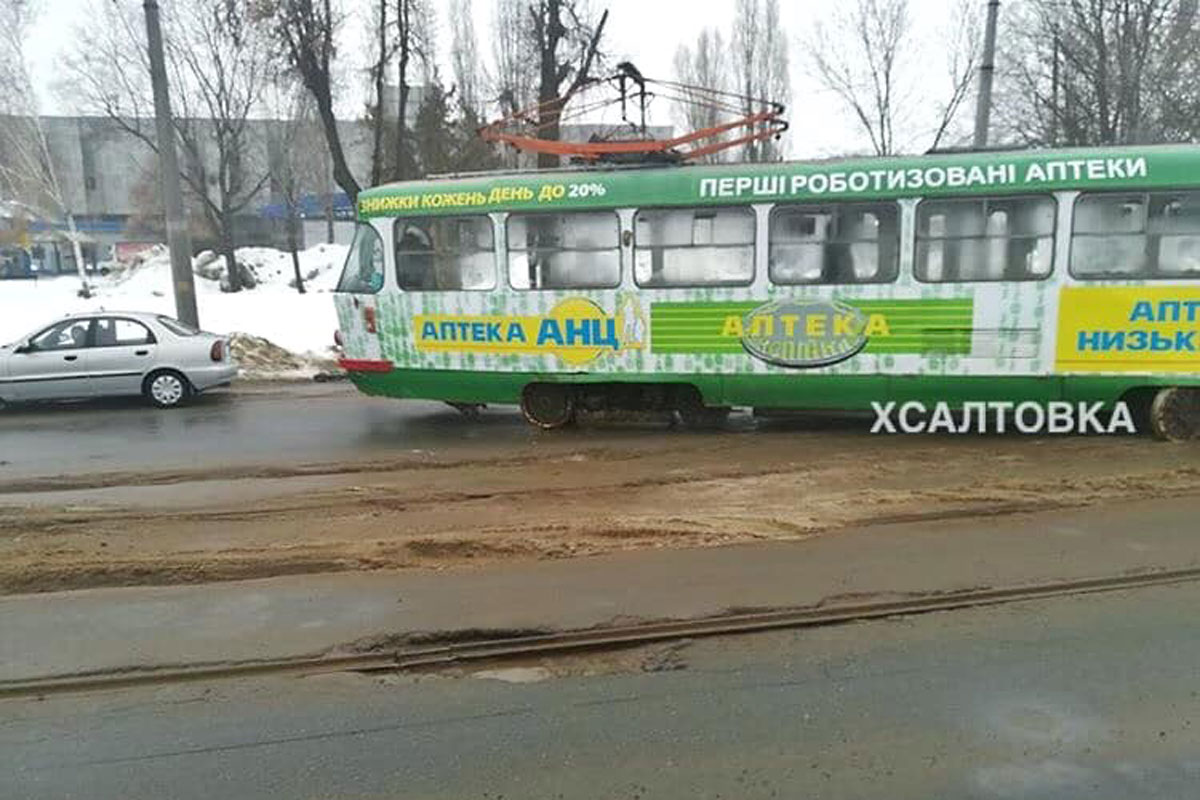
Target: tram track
<point x="425" y="652"/>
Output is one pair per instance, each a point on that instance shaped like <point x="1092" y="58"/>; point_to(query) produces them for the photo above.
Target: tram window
<point x="834" y="244"/>
<point x="994" y="239"/>
<point x="1154" y="235"/>
<point x="363" y="273"/>
<point x="446" y="253"/>
<point x="693" y="247"/>
<point x="571" y="250"/>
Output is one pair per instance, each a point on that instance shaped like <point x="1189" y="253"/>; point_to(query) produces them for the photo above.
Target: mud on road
<point x="554" y="496"/>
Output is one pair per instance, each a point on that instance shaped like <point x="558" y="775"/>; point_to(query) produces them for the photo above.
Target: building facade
<point x="110" y="183"/>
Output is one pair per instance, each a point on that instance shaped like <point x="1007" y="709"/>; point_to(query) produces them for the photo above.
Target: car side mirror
<point x="23" y="347"/>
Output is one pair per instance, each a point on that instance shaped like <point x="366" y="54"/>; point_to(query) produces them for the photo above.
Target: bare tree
<point x="963" y="40"/>
<point x="414" y="40"/>
<point x="445" y="131"/>
<point x="746" y="29"/>
<point x="469" y="73"/>
<point x="376" y="111"/>
<point x="218" y="71"/>
<point x="298" y="159"/>
<point x="566" y="43"/>
<point x="760" y="64"/>
<point x="402" y="40"/>
<point x="28" y="174"/>
<point x="862" y="56"/>
<point x="223" y="72"/>
<point x="704" y="67"/>
<point x="305" y="34"/>
<point x="1089" y="72"/>
<point x="857" y="59"/>
<point x="516" y="73"/>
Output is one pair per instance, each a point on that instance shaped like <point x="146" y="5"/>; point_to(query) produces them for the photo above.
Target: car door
<point x="123" y="352"/>
<point x="53" y="364"/>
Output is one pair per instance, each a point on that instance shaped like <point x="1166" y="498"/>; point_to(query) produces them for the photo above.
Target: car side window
<point x="71" y="334"/>
<point x="119" y="331"/>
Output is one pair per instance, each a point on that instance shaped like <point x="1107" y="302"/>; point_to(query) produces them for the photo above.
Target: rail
<point x="439" y="655"/>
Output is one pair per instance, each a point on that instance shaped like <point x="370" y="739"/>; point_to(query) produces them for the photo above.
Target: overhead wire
<point x="760" y="118"/>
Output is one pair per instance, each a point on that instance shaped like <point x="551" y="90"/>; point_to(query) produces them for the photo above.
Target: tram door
<point x="358" y="293"/>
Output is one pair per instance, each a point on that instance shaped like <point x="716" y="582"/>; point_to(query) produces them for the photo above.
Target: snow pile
<point x="301" y="324"/>
<point x="259" y="265"/>
<point x="259" y="357"/>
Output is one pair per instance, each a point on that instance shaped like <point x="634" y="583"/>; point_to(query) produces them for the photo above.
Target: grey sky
<point x="646" y="32"/>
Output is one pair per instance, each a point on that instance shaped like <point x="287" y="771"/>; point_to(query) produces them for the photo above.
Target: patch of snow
<point x="262" y="359"/>
<point x="273" y="310"/>
<point x="514" y="674"/>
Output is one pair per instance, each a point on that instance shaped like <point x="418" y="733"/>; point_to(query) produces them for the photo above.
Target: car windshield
<point x="177" y="327"/>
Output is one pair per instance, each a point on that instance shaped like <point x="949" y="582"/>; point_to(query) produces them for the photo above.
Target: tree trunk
<point x="380" y="68"/>
<point x="342" y="175"/>
<point x="549" y="108"/>
<point x="292" y="224"/>
<point x="231" y="267"/>
<point x="549" y="32"/>
<point x="548" y="128"/>
<point x="404" y="166"/>
<point x="85" y="290"/>
<point x="404" y="162"/>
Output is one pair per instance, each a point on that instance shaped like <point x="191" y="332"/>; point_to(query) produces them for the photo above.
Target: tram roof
<point x="945" y="174"/>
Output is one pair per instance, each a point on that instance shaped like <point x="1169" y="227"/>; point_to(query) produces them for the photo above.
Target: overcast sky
<point x="646" y="32"/>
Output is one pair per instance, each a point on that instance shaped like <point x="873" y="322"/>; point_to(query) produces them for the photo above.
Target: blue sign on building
<point x="312" y="206"/>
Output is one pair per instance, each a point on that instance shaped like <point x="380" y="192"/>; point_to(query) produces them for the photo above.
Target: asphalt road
<point x="248" y="425"/>
<point x="286" y="423"/>
<point x="1094" y="697"/>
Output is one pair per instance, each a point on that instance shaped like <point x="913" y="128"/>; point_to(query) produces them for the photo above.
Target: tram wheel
<point x="1175" y="414"/>
<point x="548" y="405"/>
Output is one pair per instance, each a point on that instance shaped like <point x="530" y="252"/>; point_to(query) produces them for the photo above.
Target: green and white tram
<point x="967" y="278"/>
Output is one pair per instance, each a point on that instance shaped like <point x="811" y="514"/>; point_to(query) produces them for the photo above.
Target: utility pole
<point x="983" y="103"/>
<point x="178" y="240"/>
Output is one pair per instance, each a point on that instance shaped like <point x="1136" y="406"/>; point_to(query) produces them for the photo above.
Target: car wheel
<point x="166" y="388"/>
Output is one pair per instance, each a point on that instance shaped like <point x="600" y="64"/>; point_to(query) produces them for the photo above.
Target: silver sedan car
<point x="111" y="353"/>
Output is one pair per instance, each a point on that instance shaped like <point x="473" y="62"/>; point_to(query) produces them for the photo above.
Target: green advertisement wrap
<point x="807" y="333"/>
